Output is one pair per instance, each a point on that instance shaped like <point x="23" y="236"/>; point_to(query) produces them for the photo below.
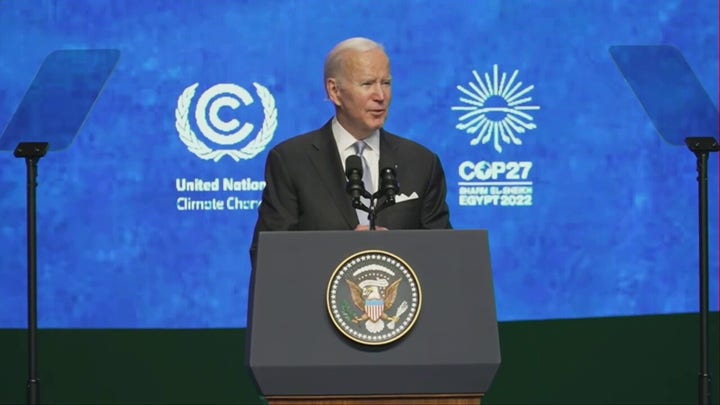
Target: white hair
<point x="336" y="57"/>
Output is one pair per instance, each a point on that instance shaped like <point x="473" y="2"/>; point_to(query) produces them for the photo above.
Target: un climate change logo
<point x="232" y="132"/>
<point x="496" y="109"/>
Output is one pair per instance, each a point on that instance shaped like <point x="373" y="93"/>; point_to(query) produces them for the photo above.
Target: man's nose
<point x="379" y="92"/>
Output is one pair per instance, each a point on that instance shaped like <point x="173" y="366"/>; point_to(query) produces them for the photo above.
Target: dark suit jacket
<point x="305" y="186"/>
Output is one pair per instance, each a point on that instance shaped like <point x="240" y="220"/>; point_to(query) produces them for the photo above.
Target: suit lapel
<point x="324" y="157"/>
<point x="388" y="151"/>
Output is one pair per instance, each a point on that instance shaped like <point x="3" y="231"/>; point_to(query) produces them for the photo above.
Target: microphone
<point x="388" y="184"/>
<point x="354" y="173"/>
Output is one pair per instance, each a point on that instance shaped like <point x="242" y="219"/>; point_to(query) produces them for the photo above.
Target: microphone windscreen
<point x="388" y="181"/>
<point x="353" y="164"/>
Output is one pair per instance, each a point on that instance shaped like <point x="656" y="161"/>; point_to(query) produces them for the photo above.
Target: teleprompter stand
<point x="49" y="116"/>
<point x="682" y="113"/>
<point x="32" y="152"/>
<point x="702" y="147"/>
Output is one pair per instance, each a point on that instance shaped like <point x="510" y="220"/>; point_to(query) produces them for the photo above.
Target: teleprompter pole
<point x="32" y="152"/>
<point x="702" y="147"/>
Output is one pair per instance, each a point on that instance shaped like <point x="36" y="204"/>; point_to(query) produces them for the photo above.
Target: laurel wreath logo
<point x="249" y="151"/>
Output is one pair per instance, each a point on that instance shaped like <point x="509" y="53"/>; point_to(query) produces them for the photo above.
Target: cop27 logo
<point x="225" y="134"/>
<point x="495" y="109"/>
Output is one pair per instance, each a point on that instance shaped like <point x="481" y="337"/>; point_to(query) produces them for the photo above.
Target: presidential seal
<point x="373" y="297"/>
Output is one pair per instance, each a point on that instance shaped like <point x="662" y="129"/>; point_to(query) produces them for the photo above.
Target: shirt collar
<point x="345" y="140"/>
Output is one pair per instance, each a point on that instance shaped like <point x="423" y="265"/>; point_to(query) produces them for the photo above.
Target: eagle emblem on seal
<point x="374" y="297"/>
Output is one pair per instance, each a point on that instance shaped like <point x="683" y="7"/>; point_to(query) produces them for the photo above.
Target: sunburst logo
<point x="496" y="109"/>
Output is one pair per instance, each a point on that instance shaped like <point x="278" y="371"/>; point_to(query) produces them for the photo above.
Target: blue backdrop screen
<point x="146" y="219"/>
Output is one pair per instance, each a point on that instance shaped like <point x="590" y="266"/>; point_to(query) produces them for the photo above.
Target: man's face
<point x="362" y="92"/>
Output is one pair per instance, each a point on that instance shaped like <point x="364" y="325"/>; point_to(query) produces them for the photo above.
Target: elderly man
<point x="305" y="175"/>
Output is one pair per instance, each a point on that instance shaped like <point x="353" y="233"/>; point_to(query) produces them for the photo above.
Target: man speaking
<point x="306" y="181"/>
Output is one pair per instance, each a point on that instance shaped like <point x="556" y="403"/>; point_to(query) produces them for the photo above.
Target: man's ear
<point x="333" y="90"/>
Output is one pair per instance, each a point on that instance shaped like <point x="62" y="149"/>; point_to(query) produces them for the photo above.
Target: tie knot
<point x="360" y="147"/>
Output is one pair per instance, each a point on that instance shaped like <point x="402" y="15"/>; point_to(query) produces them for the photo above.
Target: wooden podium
<point x="297" y="355"/>
<point x="378" y="400"/>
